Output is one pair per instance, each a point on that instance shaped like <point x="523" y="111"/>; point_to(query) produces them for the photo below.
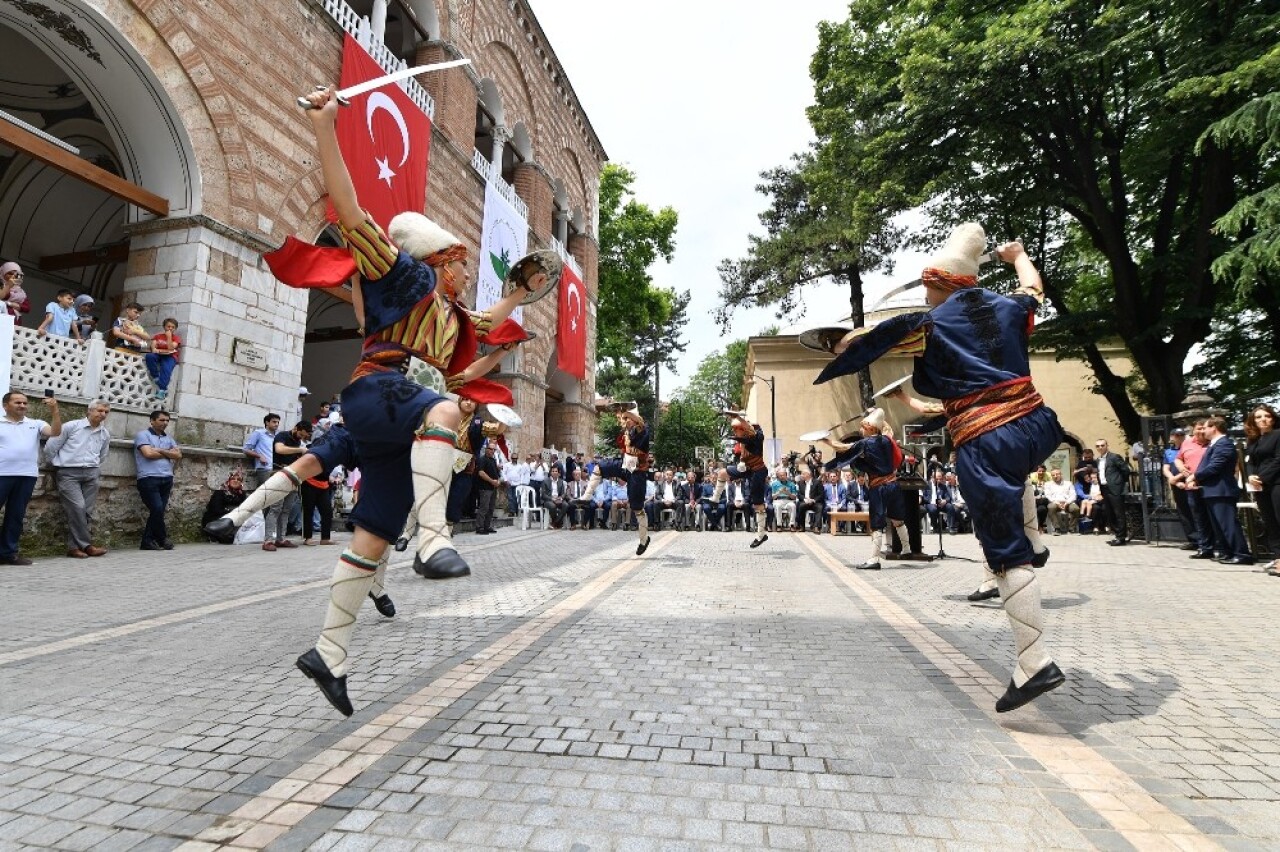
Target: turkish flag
<point x="571" y="325"/>
<point x="385" y="140"/>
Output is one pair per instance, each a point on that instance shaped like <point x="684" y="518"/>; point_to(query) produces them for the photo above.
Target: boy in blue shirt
<point x="60" y="317"/>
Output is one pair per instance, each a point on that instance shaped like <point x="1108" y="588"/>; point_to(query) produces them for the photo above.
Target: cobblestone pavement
<point x="570" y="696"/>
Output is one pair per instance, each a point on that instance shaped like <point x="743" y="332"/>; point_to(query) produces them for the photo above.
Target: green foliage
<point x="718" y="379"/>
<point x="686" y="424"/>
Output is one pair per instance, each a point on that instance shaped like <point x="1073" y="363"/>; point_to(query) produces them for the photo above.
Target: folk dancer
<point x="878" y="456"/>
<point x="633" y="467"/>
<point x="406" y="435"/>
<point x="751" y="465"/>
<point x="970" y="352"/>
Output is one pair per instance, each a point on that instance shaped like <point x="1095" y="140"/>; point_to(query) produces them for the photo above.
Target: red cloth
<point x="507" y="331"/>
<point x="571" y="325"/>
<point x="487" y="390"/>
<point x="160" y="338"/>
<point x="385" y="140"/>
<point x="300" y="264"/>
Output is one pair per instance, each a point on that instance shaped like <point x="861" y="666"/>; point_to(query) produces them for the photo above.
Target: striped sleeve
<point x="371" y="248"/>
<point x="483" y="321"/>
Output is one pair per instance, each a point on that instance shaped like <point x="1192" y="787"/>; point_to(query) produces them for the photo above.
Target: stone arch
<point x="582" y="208"/>
<point x="504" y="65"/>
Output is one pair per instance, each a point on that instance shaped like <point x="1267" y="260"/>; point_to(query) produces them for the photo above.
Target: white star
<point x="573" y="324"/>
<point x="384" y="170"/>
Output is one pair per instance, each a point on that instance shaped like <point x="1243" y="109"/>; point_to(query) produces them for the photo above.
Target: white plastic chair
<point x="524" y="495"/>
<point x="667" y="515"/>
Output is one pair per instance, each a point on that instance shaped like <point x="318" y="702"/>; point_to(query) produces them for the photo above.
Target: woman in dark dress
<point x="1262" y="463"/>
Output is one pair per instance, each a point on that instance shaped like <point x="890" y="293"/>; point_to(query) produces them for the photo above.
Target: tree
<point x="821" y="225"/>
<point x="686" y="424"/>
<point x="719" y="378"/>
<point x="1061" y="121"/>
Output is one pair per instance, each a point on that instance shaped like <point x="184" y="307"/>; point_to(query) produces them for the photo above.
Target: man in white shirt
<point x="1062" y="502"/>
<point x="19" y="466"/>
<point x="537" y="476"/>
<point x="76" y="457"/>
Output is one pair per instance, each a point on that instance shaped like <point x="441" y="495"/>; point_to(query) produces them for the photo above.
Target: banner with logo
<point x="385" y="140"/>
<point x="503" y="240"/>
<point x="571" y="325"/>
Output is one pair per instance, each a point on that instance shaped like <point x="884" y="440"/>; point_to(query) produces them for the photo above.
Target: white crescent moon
<point x="573" y="293"/>
<point x="382" y="101"/>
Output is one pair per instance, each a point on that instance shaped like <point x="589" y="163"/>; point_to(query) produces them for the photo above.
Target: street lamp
<point x="773" y="406"/>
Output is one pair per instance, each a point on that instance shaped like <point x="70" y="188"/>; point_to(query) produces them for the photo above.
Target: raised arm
<point x="337" y="180"/>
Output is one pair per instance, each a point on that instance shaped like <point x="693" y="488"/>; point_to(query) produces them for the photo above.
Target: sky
<point x="697" y="98"/>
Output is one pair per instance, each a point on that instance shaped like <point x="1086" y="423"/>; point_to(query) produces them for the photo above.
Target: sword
<point x="902" y="288"/>
<point x="344" y="96"/>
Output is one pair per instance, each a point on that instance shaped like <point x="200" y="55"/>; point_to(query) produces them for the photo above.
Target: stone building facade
<point x="193" y="104"/>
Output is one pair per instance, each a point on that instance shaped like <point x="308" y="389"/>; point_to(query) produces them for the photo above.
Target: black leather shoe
<point x="221" y="530"/>
<point x="1049" y="677"/>
<point x="1201" y="554"/>
<point x="980" y="595"/>
<point x="402" y="544"/>
<point x="150" y="545"/>
<point x="756" y="542"/>
<point x="644" y="545"/>
<point x="1041" y="559"/>
<point x="1117" y="542"/>
<point x="334" y="688"/>
<point x="868" y="566"/>
<point x="166" y="544"/>
<point x="443" y="565"/>
<point x="384" y="605"/>
<point x="1237" y="560"/>
<point x="1188" y="546"/>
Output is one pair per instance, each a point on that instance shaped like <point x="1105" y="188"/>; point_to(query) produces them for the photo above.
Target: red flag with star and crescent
<point x="385" y="140"/>
<point x="571" y="325"/>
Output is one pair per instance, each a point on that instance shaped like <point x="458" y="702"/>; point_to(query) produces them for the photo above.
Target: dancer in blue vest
<point x="633" y="467"/>
<point x="751" y="466"/>
<point x="878" y="456"/>
<point x="970" y="352"/>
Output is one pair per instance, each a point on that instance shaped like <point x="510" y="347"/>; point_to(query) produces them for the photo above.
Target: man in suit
<point x="812" y="499"/>
<point x="939" y="504"/>
<point x="1113" y="476"/>
<point x="833" y="497"/>
<point x="1216" y="478"/>
<point x="554" y="497"/>
<point x="713" y="508"/>
<point x="580" y="514"/>
<point x="667" y="494"/>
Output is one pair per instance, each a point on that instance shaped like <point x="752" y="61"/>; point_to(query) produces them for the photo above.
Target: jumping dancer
<point x="970" y="352"/>
<point x="878" y="456"/>
<point x="633" y="467"/>
<point x="751" y="466"/>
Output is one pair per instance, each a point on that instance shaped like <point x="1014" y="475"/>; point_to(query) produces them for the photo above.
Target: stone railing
<point x="361" y="30"/>
<point x="487" y="171"/>
<point x="570" y="260"/>
<point x="83" y="373"/>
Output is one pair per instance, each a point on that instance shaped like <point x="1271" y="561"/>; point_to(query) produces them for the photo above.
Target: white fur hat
<point x="959" y="255"/>
<point x="875" y="417"/>
<point x="418" y="235"/>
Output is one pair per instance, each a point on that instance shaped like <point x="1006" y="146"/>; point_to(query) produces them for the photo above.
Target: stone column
<point x="501" y="135"/>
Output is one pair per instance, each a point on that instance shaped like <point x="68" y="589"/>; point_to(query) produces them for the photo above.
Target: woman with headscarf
<point x="226" y="498"/>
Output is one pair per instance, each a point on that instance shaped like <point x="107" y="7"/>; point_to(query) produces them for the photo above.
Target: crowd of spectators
<point x="72" y="316"/>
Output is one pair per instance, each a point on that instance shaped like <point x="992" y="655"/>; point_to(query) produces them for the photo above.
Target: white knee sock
<point x="379" y="587"/>
<point x="592" y="484"/>
<point x="718" y="492"/>
<point x="278" y="486"/>
<point x="761" y="521"/>
<point x="1020" y="591"/>
<point x="877" y="542"/>
<point x="432" y="461"/>
<point x="900" y="530"/>
<point x="1031" y="520"/>
<point x="352" y="578"/>
<point x="988" y="578"/>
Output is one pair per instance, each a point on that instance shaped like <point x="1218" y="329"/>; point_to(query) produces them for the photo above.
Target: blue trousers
<point x="161" y="368"/>
<point x="1228" y="538"/>
<point x="154" y="491"/>
<point x="993" y="470"/>
<point x="15" y="494"/>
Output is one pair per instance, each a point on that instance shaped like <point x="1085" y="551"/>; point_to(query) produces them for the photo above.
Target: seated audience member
<point x="1089" y="495"/>
<point x="86" y="322"/>
<point x="738" y="499"/>
<point x="939" y="504"/>
<point x="555" y="496"/>
<point x="669" y="494"/>
<point x="1064" y="511"/>
<point x="714" y="510"/>
<point x="957" y="497"/>
<point x="582" y="515"/>
<point x="812" y="499"/>
<point x="163" y="357"/>
<point x="619" y="506"/>
<point x="785" y="494"/>
<point x="127" y="334"/>
<point x="692" y="491"/>
<point x="60" y="318"/>
<point x="226" y="498"/>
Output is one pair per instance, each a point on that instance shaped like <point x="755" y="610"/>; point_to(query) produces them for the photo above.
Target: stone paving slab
<point x="570" y="696"/>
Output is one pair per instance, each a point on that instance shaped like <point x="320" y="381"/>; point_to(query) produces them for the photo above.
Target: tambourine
<point x="810" y="437"/>
<point x="505" y="415"/>
<point x="729" y="412"/>
<point x="544" y="261"/>
<point x="891" y="387"/>
<point x="620" y="407"/>
<point x="824" y="338"/>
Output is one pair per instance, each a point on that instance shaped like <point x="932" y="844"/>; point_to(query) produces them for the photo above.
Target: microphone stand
<point x="942" y="553"/>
